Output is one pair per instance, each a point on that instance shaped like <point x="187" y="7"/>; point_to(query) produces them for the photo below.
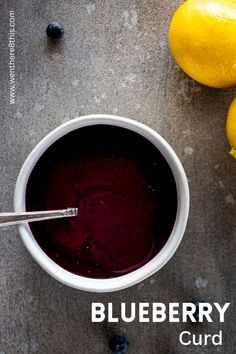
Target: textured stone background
<point x="114" y="58"/>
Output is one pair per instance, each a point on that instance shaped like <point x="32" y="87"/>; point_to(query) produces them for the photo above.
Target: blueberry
<point x="55" y="30"/>
<point x="196" y="302"/>
<point x="118" y="344"/>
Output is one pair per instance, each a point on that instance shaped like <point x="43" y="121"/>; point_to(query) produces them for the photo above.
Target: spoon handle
<point x="7" y="219"/>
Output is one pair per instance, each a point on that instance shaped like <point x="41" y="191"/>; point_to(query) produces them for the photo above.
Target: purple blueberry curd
<point x="125" y="192"/>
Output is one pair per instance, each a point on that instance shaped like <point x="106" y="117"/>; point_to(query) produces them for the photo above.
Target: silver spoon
<point x="7" y="219"/>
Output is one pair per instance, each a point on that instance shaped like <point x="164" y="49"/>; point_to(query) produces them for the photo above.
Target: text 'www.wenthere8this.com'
<point x="12" y="58"/>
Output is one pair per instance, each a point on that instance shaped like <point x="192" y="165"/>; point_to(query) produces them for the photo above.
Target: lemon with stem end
<point x="231" y="127"/>
<point x="202" y="39"/>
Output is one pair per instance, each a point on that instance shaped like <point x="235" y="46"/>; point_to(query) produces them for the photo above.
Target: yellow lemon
<point x="231" y="127"/>
<point x="202" y="39"/>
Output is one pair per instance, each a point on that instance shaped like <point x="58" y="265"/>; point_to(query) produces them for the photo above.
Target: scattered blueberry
<point x="118" y="344"/>
<point x="196" y="303"/>
<point x="55" y="30"/>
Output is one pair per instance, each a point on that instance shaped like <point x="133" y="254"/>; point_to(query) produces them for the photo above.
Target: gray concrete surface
<point x="114" y="58"/>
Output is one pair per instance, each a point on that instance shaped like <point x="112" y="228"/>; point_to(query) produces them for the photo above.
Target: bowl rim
<point x="156" y="263"/>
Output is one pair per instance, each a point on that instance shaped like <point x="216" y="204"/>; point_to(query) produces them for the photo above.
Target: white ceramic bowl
<point x="112" y="284"/>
